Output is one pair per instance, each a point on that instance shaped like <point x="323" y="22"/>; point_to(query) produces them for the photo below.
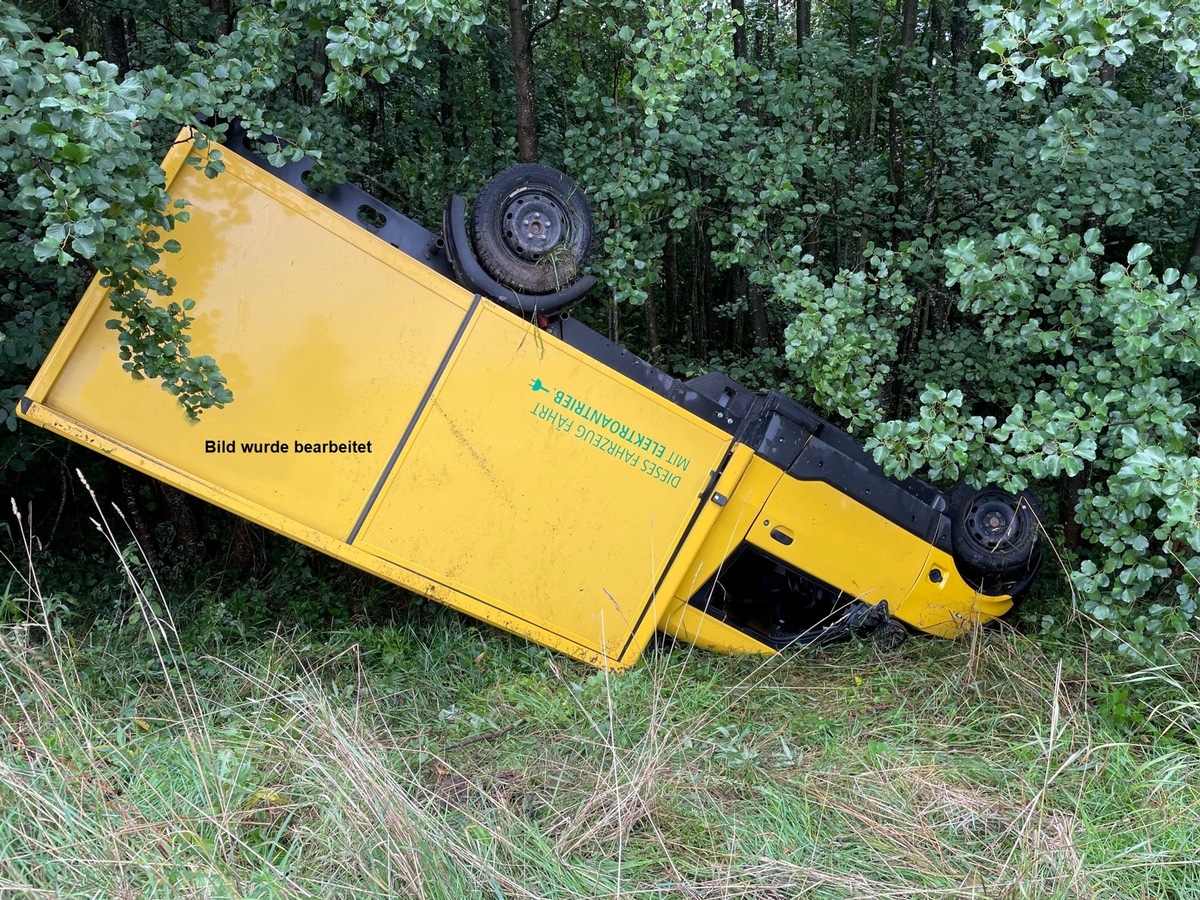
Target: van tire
<point x="531" y="227"/>
<point x="994" y="534"/>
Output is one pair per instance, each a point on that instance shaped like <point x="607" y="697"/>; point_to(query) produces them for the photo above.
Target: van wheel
<point x="994" y="534"/>
<point x="532" y="229"/>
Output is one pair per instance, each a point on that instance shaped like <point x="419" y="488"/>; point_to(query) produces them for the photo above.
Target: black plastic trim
<point x="821" y="462"/>
<point x="736" y="399"/>
<point x="25" y="404"/>
<point x="633" y="367"/>
<point x="778" y="428"/>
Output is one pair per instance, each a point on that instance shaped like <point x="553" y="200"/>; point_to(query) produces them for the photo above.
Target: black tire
<point x="531" y="227"/>
<point x="995" y="535"/>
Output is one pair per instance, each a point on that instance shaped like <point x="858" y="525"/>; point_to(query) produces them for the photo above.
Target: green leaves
<point x="1138" y="252"/>
<point x="378" y="40"/>
<point x="84" y="172"/>
<point x="1109" y="358"/>
<point x="844" y="340"/>
<point x="1072" y="40"/>
<point x="637" y="148"/>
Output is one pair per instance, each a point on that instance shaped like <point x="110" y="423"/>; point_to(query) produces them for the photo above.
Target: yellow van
<point x="423" y="407"/>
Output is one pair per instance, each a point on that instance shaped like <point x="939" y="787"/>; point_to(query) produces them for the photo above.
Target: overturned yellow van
<point x="402" y="409"/>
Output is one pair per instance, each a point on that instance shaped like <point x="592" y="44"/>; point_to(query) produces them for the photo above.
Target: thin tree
<point x="908" y="36"/>
<point x="521" y="40"/>
<point x="803" y="21"/>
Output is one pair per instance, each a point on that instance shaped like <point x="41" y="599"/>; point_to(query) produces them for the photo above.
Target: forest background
<point x="967" y="231"/>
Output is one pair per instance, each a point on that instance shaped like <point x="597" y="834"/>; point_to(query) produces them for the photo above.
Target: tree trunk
<point x="812" y="240"/>
<point x="758" y="312"/>
<point x="445" y="99"/>
<point x="496" y="115"/>
<point x="700" y="292"/>
<point x="739" y="30"/>
<point x="803" y="21"/>
<point x="318" y="86"/>
<point x="1068" y="500"/>
<point x="774" y="27"/>
<point x="908" y="36"/>
<point x="671" y="285"/>
<point x="1191" y="265"/>
<point x="652" y="328"/>
<point x="521" y="41"/>
<point x="960" y="17"/>
<point x="223" y="10"/>
<point x="81" y="17"/>
<point x="873" y="100"/>
<point x="116" y="46"/>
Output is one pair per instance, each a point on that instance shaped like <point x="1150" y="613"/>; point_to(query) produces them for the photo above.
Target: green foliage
<point x="846" y="337"/>
<point x="671" y="105"/>
<point x="1033" y="39"/>
<point x="1095" y="373"/>
<point x="984" y="273"/>
<point x="369" y="39"/>
<point x="78" y="165"/>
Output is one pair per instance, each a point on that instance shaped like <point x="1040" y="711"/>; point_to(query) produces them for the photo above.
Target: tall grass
<point x="451" y="762"/>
